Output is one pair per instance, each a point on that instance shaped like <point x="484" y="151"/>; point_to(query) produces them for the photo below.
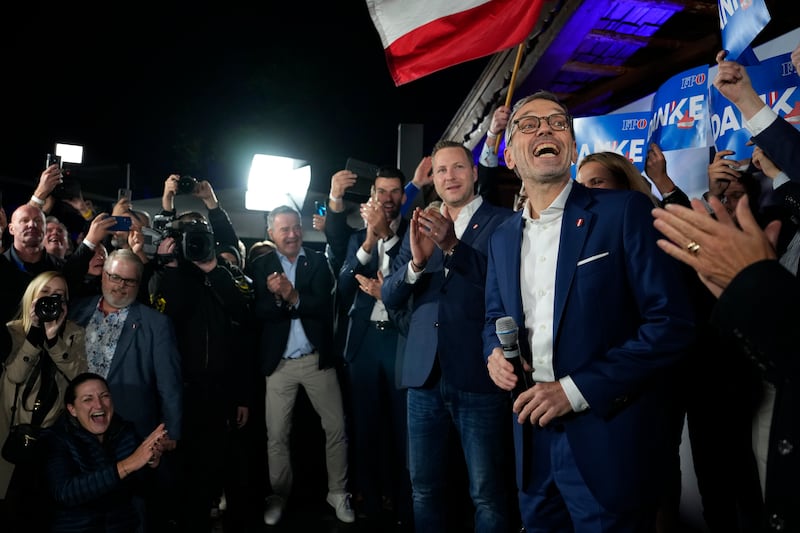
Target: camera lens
<point x="186" y="184"/>
<point x="48" y="308"/>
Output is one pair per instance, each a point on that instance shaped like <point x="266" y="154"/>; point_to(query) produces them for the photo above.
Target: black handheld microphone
<point x="507" y="330"/>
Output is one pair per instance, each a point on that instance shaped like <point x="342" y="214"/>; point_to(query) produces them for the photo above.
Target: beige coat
<point x="69" y="355"/>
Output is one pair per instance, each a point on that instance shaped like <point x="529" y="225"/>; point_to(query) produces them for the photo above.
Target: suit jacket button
<point x="785" y="447"/>
<point x="776" y="522"/>
<point x="436" y="324"/>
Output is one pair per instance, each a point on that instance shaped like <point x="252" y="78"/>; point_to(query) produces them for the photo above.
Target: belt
<point x="382" y="325"/>
<point x="301" y="355"/>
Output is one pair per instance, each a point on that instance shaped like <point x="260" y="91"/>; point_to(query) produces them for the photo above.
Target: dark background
<point x="199" y="90"/>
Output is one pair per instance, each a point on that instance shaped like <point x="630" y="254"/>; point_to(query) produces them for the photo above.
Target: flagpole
<point x="511" y="83"/>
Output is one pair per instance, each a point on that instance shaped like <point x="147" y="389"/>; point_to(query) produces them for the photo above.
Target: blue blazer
<point x="362" y="303"/>
<point x="145" y="376"/>
<point x="781" y="142"/>
<point x="447" y="310"/>
<point x="622" y="319"/>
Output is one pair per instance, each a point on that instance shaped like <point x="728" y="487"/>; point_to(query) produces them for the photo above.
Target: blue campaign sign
<point x="776" y="82"/>
<point x="679" y="115"/>
<point x="623" y="133"/>
<point x="741" y="21"/>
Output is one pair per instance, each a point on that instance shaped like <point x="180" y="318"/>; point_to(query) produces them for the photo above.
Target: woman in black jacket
<point x="93" y="462"/>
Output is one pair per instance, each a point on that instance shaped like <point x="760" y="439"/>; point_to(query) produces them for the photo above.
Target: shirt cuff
<point x="488" y="158"/>
<point x="411" y="276"/>
<point x="760" y="120"/>
<point x="362" y="256"/>
<point x="780" y="179"/>
<point x="576" y="399"/>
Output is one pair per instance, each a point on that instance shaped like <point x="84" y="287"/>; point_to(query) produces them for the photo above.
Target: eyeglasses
<point x="118" y="280"/>
<point x="531" y="123"/>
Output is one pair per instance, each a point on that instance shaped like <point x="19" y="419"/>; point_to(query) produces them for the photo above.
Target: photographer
<point x="224" y="234"/>
<point x="208" y="309"/>
<point x="46" y="351"/>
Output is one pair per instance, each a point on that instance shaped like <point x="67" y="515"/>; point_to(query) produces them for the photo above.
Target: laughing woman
<point x="93" y="462"/>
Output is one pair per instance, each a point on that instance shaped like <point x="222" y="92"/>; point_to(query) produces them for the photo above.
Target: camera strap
<point x="44" y="371"/>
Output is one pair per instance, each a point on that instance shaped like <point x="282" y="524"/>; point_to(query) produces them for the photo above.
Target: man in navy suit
<point x="440" y="270"/>
<point x="378" y="405"/>
<point x="603" y="317"/>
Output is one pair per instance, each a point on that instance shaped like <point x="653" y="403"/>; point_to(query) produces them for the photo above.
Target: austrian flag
<point x="423" y="36"/>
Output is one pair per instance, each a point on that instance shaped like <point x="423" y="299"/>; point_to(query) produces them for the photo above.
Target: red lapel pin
<point x="474" y="226"/>
<point x="579" y="223"/>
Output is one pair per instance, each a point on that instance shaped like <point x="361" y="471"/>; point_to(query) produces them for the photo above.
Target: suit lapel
<point x="574" y="232"/>
<point x="302" y="272"/>
<point x="129" y="329"/>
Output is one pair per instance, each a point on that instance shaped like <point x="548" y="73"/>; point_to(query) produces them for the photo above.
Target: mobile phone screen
<point x="122" y="224"/>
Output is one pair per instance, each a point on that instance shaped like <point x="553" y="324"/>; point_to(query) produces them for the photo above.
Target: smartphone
<point x="320" y="209"/>
<point x="122" y="224"/>
<point x="53" y="159"/>
<point x="124" y="193"/>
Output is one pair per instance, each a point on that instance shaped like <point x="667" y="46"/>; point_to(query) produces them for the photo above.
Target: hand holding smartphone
<point x="53" y="159"/>
<point x="122" y="224"/>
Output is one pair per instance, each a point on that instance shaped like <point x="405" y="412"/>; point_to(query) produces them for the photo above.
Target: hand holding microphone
<point x="507" y="332"/>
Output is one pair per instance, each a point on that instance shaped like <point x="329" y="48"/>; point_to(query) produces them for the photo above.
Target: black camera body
<point x="194" y="240"/>
<point x="48" y="308"/>
<point x="186" y="185"/>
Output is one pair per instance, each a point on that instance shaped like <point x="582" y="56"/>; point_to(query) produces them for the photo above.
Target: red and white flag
<point x="423" y="36"/>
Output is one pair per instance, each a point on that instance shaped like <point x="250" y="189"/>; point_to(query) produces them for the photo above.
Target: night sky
<point x="200" y="90"/>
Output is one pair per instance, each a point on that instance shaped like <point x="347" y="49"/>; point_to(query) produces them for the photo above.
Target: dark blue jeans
<point x="482" y="423"/>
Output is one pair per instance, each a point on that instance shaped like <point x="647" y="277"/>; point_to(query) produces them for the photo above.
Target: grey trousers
<point x="322" y="388"/>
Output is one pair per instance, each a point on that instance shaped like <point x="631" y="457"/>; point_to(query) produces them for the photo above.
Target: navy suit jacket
<point x="315" y="284"/>
<point x="447" y="310"/>
<point x="622" y="318"/>
<point x="145" y="376"/>
<point x="781" y="142"/>
<point x="362" y="303"/>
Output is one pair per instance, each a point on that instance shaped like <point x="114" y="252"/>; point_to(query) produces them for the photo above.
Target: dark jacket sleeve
<point x="781" y="142"/>
<point x="677" y="197"/>
<point x="224" y="233"/>
<point x="337" y="233"/>
<point x="759" y="310"/>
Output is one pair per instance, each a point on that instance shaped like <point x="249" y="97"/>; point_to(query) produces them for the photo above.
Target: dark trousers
<point x="379" y="424"/>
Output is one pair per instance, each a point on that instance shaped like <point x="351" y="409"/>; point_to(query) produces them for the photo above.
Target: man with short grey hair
<point x="294" y="300"/>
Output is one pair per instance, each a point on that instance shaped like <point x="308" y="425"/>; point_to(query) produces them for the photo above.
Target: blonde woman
<point x="46" y="351"/>
<point x="610" y="170"/>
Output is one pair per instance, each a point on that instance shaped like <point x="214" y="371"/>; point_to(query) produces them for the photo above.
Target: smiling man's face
<point x="546" y="154"/>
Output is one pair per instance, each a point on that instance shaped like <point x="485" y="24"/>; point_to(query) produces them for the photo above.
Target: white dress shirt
<point x="538" y="260"/>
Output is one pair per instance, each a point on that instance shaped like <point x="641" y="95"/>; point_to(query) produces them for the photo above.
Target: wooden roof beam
<point x="581" y="67"/>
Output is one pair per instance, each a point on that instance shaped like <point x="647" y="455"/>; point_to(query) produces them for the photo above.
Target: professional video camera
<point x="194" y="240"/>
